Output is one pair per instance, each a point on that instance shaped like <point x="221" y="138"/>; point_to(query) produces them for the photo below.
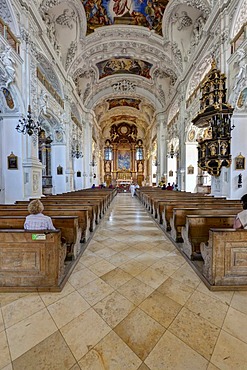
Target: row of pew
<point x="43" y="260"/>
<point x="201" y="227"/>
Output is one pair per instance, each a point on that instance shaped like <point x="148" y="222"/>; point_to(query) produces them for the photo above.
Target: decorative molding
<point x="8" y="63"/>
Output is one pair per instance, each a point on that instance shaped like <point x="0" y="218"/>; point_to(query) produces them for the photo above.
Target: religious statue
<point x="242" y="67"/>
<point x="8" y="63"/>
<point x="43" y="102"/>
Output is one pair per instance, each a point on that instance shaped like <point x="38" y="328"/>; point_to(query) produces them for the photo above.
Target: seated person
<point x="36" y="220"/>
<point x="240" y="221"/>
<point x="169" y="186"/>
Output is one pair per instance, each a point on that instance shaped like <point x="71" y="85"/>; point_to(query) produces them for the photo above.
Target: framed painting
<point x="12" y="162"/>
<point x="240" y="162"/>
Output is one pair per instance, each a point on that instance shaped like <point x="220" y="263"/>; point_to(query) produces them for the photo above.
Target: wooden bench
<point x="31" y="261"/>
<point x="225" y="258"/>
<point x="50" y="206"/>
<point x="68" y="225"/>
<point x="178" y="219"/>
<point x="196" y="230"/>
<point x="82" y="214"/>
<point x="210" y="203"/>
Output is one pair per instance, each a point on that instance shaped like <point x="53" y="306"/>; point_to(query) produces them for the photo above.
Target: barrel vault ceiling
<point x="126" y="57"/>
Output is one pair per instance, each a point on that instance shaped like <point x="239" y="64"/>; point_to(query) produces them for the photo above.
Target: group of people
<point x="38" y="221"/>
<point x="169" y="186"/>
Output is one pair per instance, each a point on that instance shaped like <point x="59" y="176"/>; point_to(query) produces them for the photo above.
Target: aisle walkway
<point x="131" y="303"/>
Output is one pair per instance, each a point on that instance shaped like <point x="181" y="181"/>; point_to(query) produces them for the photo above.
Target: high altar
<point x="124" y="160"/>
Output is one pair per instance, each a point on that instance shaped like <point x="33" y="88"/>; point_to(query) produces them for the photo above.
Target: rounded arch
<point x="239" y="19"/>
<point x="203" y="5"/>
<point x="7" y="13"/>
<point x="202" y="69"/>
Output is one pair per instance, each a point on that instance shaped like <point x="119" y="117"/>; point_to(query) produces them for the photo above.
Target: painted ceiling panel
<point x="124" y="65"/>
<point x="124" y="102"/>
<point x="146" y="13"/>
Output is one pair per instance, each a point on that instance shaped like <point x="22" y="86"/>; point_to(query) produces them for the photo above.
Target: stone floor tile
<point x="205" y="306"/>
<point x="176" y="290"/>
<point x="8" y="367"/>
<point x="187" y="276"/>
<point x="230" y="353"/>
<point x="84" y="332"/>
<point x="67" y="308"/>
<point x="146" y="259"/>
<point x="152" y="277"/>
<point x="105" y="252"/>
<point x="223" y="296"/>
<point x="116" y="278"/>
<point x="143" y="367"/>
<point x="90" y="259"/>
<point x="29" y="332"/>
<point x="140" y="332"/>
<point x="133" y="267"/>
<point x="101" y="268"/>
<point x="1" y="321"/>
<point x="110" y="353"/>
<point x="95" y="291"/>
<point x="173" y="354"/>
<point x="114" y="308"/>
<point x="161" y="308"/>
<point x="118" y="259"/>
<point x="82" y="277"/>
<point x="135" y="290"/>
<point x="21" y="309"/>
<point x="49" y="298"/>
<point x="4" y="351"/>
<point x="6" y="298"/>
<point x="52" y="353"/>
<point x="195" y="331"/>
<point x="236" y="324"/>
<point x="239" y="301"/>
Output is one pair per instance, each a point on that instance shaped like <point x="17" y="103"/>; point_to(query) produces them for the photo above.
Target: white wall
<point x="191" y="160"/>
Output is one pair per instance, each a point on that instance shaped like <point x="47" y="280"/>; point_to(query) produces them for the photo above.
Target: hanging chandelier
<point x="76" y="153"/>
<point x="27" y="125"/>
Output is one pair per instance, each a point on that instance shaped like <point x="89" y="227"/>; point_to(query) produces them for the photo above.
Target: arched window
<point x="108" y="151"/>
<point x="139" y="150"/>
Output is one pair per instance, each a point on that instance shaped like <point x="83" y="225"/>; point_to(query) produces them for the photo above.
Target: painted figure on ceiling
<point x="121" y="7"/>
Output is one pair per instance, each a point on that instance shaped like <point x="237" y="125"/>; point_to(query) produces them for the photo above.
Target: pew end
<point x="225" y="258"/>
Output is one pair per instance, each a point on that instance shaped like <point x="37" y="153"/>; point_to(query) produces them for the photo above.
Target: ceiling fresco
<point x="124" y="65"/>
<point x="146" y="13"/>
<point x="124" y="102"/>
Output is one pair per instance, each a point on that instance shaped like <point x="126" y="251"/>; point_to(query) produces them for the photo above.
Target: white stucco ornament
<point x="8" y="63"/>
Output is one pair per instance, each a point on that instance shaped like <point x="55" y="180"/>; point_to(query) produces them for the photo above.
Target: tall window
<point x="108" y="153"/>
<point x="139" y="153"/>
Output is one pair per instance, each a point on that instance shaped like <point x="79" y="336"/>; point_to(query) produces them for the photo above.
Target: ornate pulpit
<point x="215" y="115"/>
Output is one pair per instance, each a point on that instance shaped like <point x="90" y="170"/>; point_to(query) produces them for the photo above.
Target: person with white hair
<point x="36" y="220"/>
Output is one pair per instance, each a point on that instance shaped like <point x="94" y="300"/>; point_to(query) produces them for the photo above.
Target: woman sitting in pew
<point x="36" y="220"/>
<point x="240" y="221"/>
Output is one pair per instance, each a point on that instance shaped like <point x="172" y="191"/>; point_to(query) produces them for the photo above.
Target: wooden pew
<point x="225" y="258"/>
<point x="208" y="203"/>
<point x="29" y="264"/>
<point x="68" y="225"/>
<point x="178" y="219"/>
<point x="196" y="230"/>
<point x="82" y="214"/>
<point x="50" y="206"/>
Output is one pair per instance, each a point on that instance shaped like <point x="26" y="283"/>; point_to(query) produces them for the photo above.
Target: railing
<point x="9" y="36"/>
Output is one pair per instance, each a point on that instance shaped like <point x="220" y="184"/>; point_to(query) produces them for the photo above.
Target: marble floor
<point x="132" y="303"/>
